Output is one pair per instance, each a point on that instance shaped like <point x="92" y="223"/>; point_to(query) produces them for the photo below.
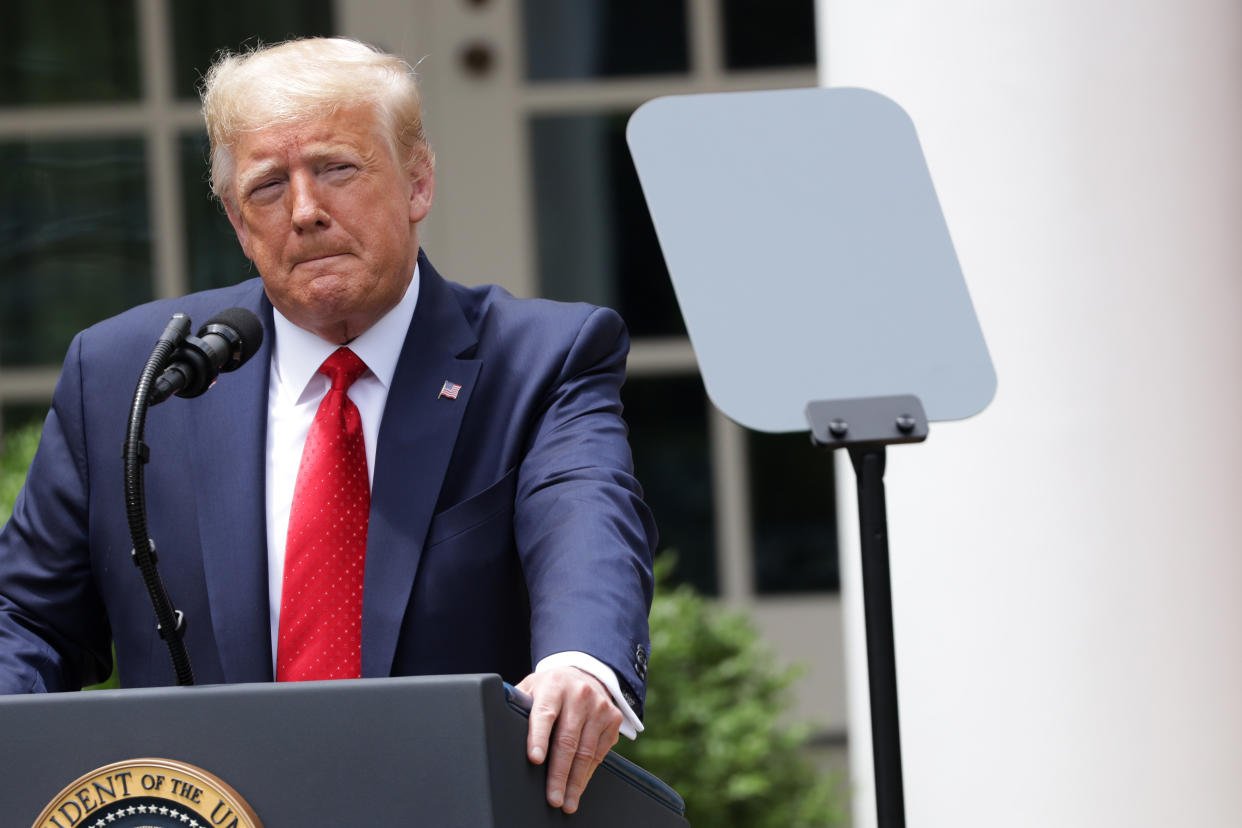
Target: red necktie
<point x="321" y="600"/>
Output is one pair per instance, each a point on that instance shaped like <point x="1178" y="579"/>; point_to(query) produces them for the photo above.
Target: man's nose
<point x="308" y="211"/>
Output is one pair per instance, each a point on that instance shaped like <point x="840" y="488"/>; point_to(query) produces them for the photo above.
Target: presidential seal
<point x="148" y="793"/>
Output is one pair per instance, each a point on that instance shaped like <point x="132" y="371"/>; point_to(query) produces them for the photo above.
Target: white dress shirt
<point x="294" y="392"/>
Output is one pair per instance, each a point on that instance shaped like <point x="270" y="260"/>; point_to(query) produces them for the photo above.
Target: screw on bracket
<point x="906" y="423"/>
<point x="838" y="428"/>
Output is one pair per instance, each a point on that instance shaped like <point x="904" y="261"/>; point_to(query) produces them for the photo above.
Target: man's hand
<point x="574" y="717"/>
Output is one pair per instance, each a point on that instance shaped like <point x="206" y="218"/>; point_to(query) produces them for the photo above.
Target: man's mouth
<point x="319" y="258"/>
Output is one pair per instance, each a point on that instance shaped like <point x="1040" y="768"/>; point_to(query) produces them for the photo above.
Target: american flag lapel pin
<point x="449" y="390"/>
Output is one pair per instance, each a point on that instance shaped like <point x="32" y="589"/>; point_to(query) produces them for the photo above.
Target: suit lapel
<point x="416" y="440"/>
<point x="228" y="453"/>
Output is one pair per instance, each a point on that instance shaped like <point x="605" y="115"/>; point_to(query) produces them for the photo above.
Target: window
<point x="721" y="494"/>
<point x="92" y="218"/>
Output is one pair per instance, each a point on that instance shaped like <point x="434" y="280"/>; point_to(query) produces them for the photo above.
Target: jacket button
<point x="640" y="661"/>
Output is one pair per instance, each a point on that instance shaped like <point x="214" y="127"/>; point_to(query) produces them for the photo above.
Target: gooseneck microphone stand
<point x="171" y="622"/>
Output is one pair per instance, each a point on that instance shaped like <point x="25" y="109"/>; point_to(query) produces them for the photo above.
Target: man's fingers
<point x="564" y="753"/>
<point x="575" y="788"/>
<point x="591" y="750"/>
<point x="543" y="715"/>
<point x="573" y="724"/>
<point x="599" y="734"/>
<point x="607" y="740"/>
<point x="580" y="771"/>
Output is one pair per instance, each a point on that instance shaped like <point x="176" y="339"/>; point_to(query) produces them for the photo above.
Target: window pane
<point x="200" y="30"/>
<point x="74" y="241"/>
<point x="594" y="235"/>
<point x="768" y="33"/>
<point x="575" y="39"/>
<point x="215" y="256"/>
<point x="792" y="508"/>
<point x="68" y="51"/>
<point x="668" y="433"/>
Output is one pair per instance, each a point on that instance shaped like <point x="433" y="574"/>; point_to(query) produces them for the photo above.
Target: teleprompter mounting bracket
<point x="866" y="420"/>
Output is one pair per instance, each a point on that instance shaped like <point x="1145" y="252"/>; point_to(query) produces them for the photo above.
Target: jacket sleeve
<point x="585" y="536"/>
<point x="54" y="633"/>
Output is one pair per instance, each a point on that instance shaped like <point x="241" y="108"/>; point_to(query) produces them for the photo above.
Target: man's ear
<point x="238" y="227"/>
<point x="422" y="191"/>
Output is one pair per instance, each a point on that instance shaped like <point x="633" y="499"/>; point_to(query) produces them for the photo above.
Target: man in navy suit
<point x="505" y="531"/>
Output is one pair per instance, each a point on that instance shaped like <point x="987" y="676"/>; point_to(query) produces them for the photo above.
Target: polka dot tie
<point x="321" y="600"/>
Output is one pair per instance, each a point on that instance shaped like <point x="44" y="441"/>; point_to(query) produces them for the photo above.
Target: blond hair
<point x="303" y="79"/>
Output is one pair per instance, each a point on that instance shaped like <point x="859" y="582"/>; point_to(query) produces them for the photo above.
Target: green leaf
<point x="17" y="449"/>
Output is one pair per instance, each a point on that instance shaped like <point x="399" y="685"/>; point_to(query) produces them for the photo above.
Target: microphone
<point x="223" y="344"/>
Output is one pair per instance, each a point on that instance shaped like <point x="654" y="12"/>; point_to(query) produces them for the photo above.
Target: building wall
<point x="1066" y="566"/>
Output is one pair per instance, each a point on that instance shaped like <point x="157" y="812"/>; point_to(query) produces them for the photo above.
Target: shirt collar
<point x="298" y="353"/>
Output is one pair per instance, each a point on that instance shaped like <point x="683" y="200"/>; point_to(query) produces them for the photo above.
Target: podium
<point x="432" y="750"/>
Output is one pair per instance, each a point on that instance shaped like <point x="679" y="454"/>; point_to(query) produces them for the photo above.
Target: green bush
<point x="17" y="449"/>
<point x="717" y="729"/>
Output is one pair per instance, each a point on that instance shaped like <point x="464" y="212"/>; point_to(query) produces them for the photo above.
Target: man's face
<point x="327" y="215"/>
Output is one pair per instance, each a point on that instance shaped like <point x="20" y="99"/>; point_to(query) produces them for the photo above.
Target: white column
<point x="1067" y="567"/>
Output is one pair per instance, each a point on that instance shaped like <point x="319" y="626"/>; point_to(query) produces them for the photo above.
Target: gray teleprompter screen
<point x="809" y="253"/>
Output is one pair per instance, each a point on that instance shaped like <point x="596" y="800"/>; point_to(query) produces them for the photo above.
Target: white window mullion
<point x="706" y="38"/>
<point x="168" y="257"/>
<point x="731" y="505"/>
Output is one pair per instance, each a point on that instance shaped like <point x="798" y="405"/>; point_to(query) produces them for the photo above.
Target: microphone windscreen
<point x="249" y="330"/>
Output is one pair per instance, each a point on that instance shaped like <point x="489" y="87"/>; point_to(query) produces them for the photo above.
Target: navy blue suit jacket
<point x="505" y="525"/>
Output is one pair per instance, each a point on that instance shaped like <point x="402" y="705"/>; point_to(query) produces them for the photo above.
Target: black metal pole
<point x="868" y="460"/>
